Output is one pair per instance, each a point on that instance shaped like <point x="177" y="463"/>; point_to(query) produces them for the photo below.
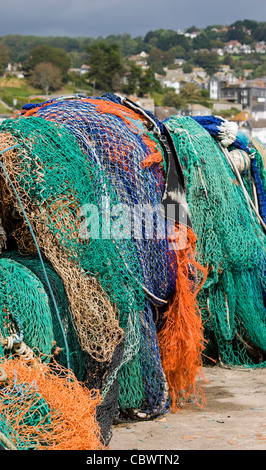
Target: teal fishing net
<point x="231" y="239"/>
<point x="98" y="327"/>
<point x="32" y="274"/>
<point x="114" y="287"/>
<point x="122" y="303"/>
<point x="118" y="141"/>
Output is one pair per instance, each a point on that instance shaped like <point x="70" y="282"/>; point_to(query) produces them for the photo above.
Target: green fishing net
<point x="25" y="307"/>
<point x="27" y="272"/>
<point x="53" y="180"/>
<point x="231" y="243"/>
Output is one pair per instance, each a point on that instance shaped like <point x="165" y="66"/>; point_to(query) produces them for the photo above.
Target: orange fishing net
<point x="44" y="407"/>
<point x="181" y="338"/>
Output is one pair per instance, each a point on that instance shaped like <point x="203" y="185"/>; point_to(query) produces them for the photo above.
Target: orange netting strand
<point x="71" y="422"/>
<point x="181" y="338"/>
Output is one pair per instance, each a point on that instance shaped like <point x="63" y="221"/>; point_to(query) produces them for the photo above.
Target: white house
<point x="259" y="111"/>
<point x="196" y="110"/>
<point x="173" y="79"/>
<point x="245" y="49"/>
<point x="232" y="47"/>
<point x="214" y="87"/>
<point x="84" y="69"/>
<point x="256" y="129"/>
<point x="260" y="47"/>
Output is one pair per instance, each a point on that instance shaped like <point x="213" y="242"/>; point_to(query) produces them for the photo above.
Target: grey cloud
<point x="105" y="17"/>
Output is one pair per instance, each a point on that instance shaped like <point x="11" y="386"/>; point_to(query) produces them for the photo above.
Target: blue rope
<point x="211" y="123"/>
<point x="259" y="188"/>
<point x="38" y="250"/>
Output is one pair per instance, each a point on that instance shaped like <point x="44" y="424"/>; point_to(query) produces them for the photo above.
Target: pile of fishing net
<point x="44" y="407"/>
<point x="85" y="282"/>
<point x="225" y="189"/>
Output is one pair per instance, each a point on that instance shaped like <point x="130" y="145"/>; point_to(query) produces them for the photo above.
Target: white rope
<point x="227" y="133"/>
<point x="3" y="374"/>
<point x="235" y="170"/>
<point x="20" y="348"/>
<point x="7" y="442"/>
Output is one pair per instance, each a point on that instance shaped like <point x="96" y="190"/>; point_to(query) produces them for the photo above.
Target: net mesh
<point x="119" y="141"/>
<point x="227" y="214"/>
<point x="121" y="305"/>
<point x="44" y="407"/>
<point x="31" y="276"/>
<point x="27" y="291"/>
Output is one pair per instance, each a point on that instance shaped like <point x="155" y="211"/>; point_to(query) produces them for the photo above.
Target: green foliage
<point x="127" y="45"/>
<point x="106" y="66"/>
<point x="159" y="59"/>
<point x="47" y="76"/>
<point x="171" y="98"/>
<point x="228" y="113"/>
<point x="259" y="71"/>
<point x="260" y="32"/>
<point x="54" y="55"/>
<point x="148" y="83"/>
<point x="207" y="60"/>
<point x="166" y="39"/>
<point x="240" y="30"/>
<point x="4" y="55"/>
<point x="190" y="93"/>
<point x="187" y="68"/>
<point x="133" y="76"/>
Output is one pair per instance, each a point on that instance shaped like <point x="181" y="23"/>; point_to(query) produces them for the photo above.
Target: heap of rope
<point x="13" y="342"/>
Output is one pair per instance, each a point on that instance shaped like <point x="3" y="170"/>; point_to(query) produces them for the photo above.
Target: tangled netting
<point x="116" y="291"/>
<point x="42" y="408"/>
<point x="225" y="178"/>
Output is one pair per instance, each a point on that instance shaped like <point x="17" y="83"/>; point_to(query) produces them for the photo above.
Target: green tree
<point x="156" y="59"/>
<point x="127" y="45"/>
<point x="148" y="83"/>
<point x="4" y="56"/>
<point x="46" y="76"/>
<point x="207" y="60"/>
<point x="260" y="32"/>
<point x="259" y="71"/>
<point x="250" y="25"/>
<point x="133" y="76"/>
<point x="106" y="66"/>
<point x="179" y="52"/>
<point x="171" y="98"/>
<point x="54" y="55"/>
<point x="190" y="93"/>
<point x="201" y="42"/>
<point x="159" y="59"/>
<point x="187" y="68"/>
<point x="228" y="60"/>
<point x="236" y="31"/>
<point x="169" y="57"/>
<point x="166" y="39"/>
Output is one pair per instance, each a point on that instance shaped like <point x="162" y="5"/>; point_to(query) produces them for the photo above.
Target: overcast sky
<point x="94" y="18"/>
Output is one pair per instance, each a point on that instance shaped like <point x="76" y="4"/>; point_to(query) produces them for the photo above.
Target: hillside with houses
<point x="217" y="70"/>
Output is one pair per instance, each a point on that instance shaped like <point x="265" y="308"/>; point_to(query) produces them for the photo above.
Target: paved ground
<point x="234" y="418"/>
